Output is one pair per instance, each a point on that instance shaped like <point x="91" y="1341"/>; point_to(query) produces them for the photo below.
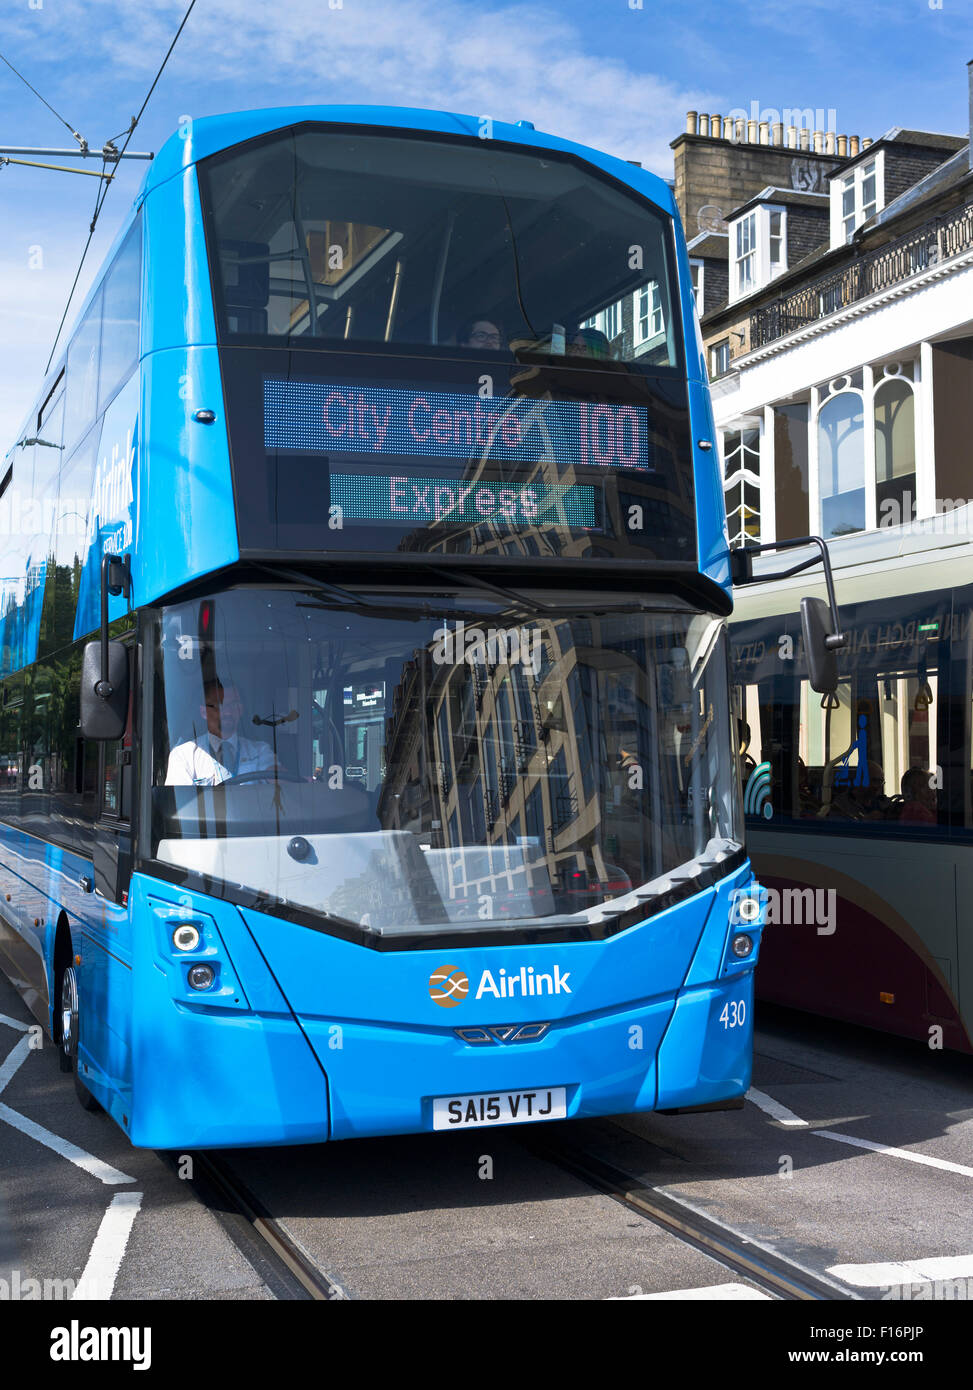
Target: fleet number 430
<point x="734" y="1012"/>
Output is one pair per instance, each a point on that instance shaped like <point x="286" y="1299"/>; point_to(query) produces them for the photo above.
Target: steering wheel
<point x="266" y="774"/>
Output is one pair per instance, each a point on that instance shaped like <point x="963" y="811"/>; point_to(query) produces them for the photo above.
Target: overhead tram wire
<point x="107" y="181"/>
<point x="80" y="138"/>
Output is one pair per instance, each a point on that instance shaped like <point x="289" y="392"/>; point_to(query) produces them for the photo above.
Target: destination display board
<point x="507" y="468"/>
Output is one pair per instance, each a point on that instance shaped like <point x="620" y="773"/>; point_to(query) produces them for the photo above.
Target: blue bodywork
<point x="307" y="1036"/>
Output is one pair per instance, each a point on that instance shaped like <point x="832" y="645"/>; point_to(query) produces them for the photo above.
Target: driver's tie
<point x="228" y="756"/>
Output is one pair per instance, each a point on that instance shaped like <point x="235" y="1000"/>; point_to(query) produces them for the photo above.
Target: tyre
<point x="71" y="1034"/>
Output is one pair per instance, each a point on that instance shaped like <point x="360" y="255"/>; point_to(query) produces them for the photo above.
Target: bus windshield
<point x="417" y="761"/>
<point x="357" y="238"/>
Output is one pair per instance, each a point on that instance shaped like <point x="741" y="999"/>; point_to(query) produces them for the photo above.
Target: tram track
<point x="288" y="1270"/>
<point x="769" y="1271"/>
<point x="291" y="1273"/>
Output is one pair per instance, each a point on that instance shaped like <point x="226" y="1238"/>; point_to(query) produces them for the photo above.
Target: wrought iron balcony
<point x="935" y="241"/>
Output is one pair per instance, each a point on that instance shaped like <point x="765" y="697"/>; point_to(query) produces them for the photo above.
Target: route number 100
<point x="734" y="1013"/>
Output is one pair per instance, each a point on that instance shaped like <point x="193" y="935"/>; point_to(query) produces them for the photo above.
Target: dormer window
<point x="649" y="321"/>
<point x="776" y="242"/>
<point x="697" y="271"/>
<point x="611" y="324"/>
<point x="759" y="240"/>
<point x="746" y="254"/>
<point x="855" y="197"/>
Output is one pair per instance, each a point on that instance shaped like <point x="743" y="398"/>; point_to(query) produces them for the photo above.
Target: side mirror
<point x="822" y="664"/>
<point x="104" y="716"/>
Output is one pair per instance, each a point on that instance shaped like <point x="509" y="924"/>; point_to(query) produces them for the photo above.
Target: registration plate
<point x="499" y="1108"/>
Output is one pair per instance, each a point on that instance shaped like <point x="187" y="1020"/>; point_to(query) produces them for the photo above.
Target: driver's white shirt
<point x="195" y="763"/>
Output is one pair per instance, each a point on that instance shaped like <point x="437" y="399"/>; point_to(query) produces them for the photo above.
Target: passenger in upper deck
<point x="590" y="342"/>
<point x="480" y="331"/>
<point x="221" y="753"/>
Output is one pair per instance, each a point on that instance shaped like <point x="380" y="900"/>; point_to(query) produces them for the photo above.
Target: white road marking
<point x="104" y="1172"/>
<point x="108" y="1251"/>
<point x="787" y="1117"/>
<point x="907" y="1154"/>
<point x="905" y="1272"/>
<point x="715" y="1292"/>
<point x="14" y="1023"/>
<point x="774" y="1108"/>
<point x="14" y="1059"/>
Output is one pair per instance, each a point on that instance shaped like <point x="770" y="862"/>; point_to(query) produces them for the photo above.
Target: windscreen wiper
<point x="475" y="581"/>
<point x="319" y="586"/>
<point x="323" y="588"/>
<point x="549" y="610"/>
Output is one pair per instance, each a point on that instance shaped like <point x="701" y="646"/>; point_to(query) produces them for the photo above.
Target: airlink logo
<point x="449" y="986"/>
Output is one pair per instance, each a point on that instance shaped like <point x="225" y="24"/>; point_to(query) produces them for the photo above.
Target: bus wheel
<point x="70" y="1035"/>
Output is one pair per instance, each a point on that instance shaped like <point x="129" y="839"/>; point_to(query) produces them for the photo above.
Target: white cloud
<point x="508" y="60"/>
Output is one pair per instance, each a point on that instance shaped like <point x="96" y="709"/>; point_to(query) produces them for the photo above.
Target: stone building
<point x="838" y="323"/>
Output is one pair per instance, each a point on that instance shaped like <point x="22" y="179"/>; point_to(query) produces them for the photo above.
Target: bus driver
<point x="221" y="752"/>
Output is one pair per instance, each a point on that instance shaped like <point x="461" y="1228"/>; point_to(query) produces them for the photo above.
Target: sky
<point x="616" y="74"/>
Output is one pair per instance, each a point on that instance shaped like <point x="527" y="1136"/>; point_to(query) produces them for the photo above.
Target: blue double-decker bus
<point x="367" y="763"/>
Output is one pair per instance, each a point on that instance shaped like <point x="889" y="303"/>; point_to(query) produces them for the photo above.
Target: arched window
<point x="895" y="449"/>
<point x="741" y="472"/>
<point x="841" y="461"/>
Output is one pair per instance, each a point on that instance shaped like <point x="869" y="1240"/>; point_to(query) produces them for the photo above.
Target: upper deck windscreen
<point x="408" y="241"/>
<point x="447" y="346"/>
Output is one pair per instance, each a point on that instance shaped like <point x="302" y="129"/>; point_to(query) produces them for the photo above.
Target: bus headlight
<point x="201" y="977"/>
<point x="748" y="908"/>
<point x="186" y="937"/>
<point x="741" y="945"/>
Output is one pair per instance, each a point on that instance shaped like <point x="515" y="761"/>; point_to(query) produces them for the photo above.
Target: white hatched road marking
<point x="907" y="1154"/>
<point x="14" y="1023"/>
<point x="104" y="1172"/>
<point x="714" y="1292"/>
<point x="774" y="1108"/>
<point x="877" y="1276"/>
<point x="787" y="1117"/>
<point x="108" y="1251"/>
<point x="13" y="1061"/>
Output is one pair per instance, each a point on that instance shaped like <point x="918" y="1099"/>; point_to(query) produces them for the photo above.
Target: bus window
<point x="871" y="753"/>
<point x="11" y="746"/>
